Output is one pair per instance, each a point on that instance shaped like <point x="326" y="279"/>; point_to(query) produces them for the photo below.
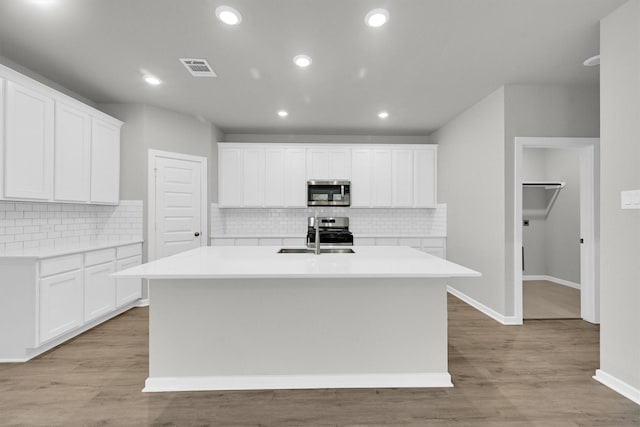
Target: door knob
<point x="197" y="233"/>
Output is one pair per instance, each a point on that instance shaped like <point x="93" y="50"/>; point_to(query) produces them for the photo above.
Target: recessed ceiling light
<point x="228" y="15"/>
<point x="283" y="113"/>
<point x="383" y="114"/>
<point x="152" y="80"/>
<point x="377" y="17"/>
<point x="302" y="61"/>
<point x="590" y="62"/>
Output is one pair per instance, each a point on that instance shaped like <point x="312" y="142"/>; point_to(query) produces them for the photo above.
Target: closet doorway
<point x="556" y="231"/>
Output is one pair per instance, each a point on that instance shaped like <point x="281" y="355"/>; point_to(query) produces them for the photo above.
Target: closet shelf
<point x="542" y="213"/>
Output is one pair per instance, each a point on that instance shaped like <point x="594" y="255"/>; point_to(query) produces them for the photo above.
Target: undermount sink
<point x="295" y="251"/>
<point x="311" y="251"/>
<point x="337" y="251"/>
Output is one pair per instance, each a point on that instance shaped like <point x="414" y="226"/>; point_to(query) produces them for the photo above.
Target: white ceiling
<point x="431" y="61"/>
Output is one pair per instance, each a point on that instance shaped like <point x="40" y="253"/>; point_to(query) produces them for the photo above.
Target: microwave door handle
<point x="342" y="191"/>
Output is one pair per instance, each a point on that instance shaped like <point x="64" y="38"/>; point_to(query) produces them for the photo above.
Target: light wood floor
<point x="547" y="300"/>
<point x="538" y="374"/>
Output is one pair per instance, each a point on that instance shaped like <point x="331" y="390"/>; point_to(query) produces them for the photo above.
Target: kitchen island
<point x="240" y="318"/>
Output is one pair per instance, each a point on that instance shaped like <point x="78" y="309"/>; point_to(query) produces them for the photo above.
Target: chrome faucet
<point x="315" y="222"/>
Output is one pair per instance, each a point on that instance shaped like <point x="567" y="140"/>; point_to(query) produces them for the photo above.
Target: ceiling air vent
<point x="198" y="67"/>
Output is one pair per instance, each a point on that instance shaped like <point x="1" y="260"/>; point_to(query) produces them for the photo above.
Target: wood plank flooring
<point x="538" y="374"/>
<point x="547" y="300"/>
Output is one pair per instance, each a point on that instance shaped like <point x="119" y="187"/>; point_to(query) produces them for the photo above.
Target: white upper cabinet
<point x="274" y="182"/>
<point x="275" y="175"/>
<point x="361" y="178"/>
<point x="284" y="183"/>
<point x="425" y="177"/>
<point x="28" y="143"/>
<point x="381" y="179"/>
<point x="371" y="181"/>
<point x="229" y="177"/>
<point x="105" y="162"/>
<point x="295" y="185"/>
<point x="402" y="178"/>
<point x="54" y="148"/>
<point x="71" y="154"/>
<point x="328" y="163"/>
<point x="253" y="170"/>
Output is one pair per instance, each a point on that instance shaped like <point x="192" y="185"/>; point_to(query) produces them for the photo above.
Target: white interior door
<point x="178" y="209"/>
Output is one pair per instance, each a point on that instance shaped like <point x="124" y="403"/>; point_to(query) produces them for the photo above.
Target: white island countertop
<point x="213" y="262"/>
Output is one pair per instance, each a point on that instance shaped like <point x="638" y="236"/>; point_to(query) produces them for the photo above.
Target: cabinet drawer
<point x="414" y="243"/>
<point x="294" y="242"/>
<point x="99" y="257"/>
<point x="270" y="242"/>
<point x="439" y="252"/>
<point x="246" y="242"/>
<point x="386" y="241"/>
<point x="61" y="264"/>
<point x="433" y="242"/>
<point x="223" y="242"/>
<point x="129" y="251"/>
<point x="364" y="241"/>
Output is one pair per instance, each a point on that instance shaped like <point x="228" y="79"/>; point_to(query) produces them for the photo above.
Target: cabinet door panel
<point x="60" y="304"/>
<point x="402" y="178"/>
<point x="295" y="184"/>
<point x="340" y="164"/>
<point x="382" y="179"/>
<point x="28" y="145"/>
<point x="99" y="291"/>
<point x="105" y="162"/>
<point x="128" y="290"/>
<point x="274" y="185"/>
<point x="425" y="178"/>
<point x="253" y="177"/>
<point x="230" y="177"/>
<point x="361" y="178"/>
<point x="71" y="154"/>
<point x="317" y="164"/>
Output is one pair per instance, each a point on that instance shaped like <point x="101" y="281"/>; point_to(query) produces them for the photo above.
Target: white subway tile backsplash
<point x="276" y="221"/>
<point x="31" y="225"/>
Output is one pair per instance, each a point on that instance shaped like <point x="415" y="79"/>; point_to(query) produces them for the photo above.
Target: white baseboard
<point x="552" y="279"/>
<point x="269" y="382"/>
<point x="142" y="303"/>
<point x="13" y="360"/>
<point x="505" y="320"/>
<point x="618" y="386"/>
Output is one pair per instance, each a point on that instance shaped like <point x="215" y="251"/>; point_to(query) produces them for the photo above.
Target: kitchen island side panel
<point x="248" y="327"/>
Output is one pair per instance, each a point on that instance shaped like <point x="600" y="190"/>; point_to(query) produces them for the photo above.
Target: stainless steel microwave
<point x="328" y="193"/>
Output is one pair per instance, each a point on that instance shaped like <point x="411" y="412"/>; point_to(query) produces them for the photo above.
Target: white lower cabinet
<point x="54" y="299"/>
<point x="128" y="290"/>
<point x="99" y="290"/>
<point x="60" y="304"/>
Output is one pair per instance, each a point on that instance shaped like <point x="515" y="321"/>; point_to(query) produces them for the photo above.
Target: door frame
<point x="151" y="191"/>
<point x="589" y="152"/>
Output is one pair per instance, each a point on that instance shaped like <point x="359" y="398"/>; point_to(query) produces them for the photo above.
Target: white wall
<point x="551" y="244"/>
<point x="476" y="176"/>
<point x="620" y="170"/>
<point x="471" y="181"/>
<point x="542" y="110"/>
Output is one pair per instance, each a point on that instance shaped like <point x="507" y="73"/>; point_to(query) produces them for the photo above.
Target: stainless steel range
<point x="332" y="231"/>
